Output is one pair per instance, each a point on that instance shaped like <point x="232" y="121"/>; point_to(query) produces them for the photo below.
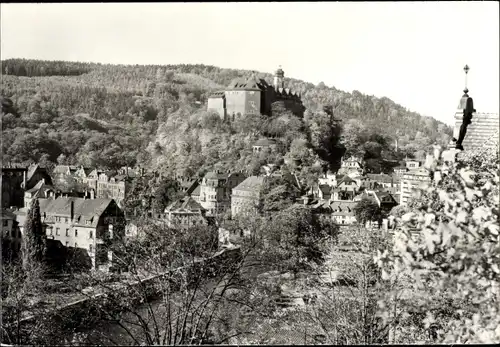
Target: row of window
<point x="50" y="231"/>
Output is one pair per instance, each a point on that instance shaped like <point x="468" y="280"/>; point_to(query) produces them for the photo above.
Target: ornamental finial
<point x="466" y="69"/>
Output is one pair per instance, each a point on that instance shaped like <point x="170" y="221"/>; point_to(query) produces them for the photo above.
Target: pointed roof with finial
<point x="463" y="101"/>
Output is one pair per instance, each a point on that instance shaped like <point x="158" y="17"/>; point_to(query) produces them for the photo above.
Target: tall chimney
<point x="24" y="179"/>
<point x="72" y="210"/>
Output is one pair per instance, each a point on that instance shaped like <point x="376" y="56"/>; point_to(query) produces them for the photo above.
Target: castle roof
<point x="245" y="84"/>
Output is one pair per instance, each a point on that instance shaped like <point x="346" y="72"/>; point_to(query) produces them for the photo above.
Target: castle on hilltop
<point x="253" y="96"/>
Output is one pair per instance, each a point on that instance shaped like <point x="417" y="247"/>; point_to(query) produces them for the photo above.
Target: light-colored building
<point x="384" y="199"/>
<point x="254" y="95"/>
<point x="246" y="196"/>
<point x="350" y="165"/>
<point x="86" y="224"/>
<point x="343" y="212"/>
<point x="265" y="145"/>
<point x="411" y="180"/>
<point x="185" y="213"/>
<point x="15" y="179"/>
<point x="215" y="191"/>
<point x="328" y="178"/>
<point x="101" y="182"/>
<point x="40" y="190"/>
<point x="346" y="189"/>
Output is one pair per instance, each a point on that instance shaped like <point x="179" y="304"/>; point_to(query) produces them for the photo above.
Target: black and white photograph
<point x="250" y="173"/>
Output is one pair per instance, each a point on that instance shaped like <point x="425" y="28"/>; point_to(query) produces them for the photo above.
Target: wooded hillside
<point x="114" y="115"/>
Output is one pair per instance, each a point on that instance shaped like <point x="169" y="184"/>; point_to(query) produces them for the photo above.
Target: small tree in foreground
<point x="34" y="243"/>
<point x="447" y="258"/>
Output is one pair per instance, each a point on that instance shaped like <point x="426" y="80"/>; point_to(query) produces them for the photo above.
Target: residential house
<point x="40" y="190"/>
<point x="322" y="192"/>
<point x="346" y="188"/>
<point x="412" y="164"/>
<point x="15" y="179"/>
<point x="400" y="170"/>
<point x="384" y="200"/>
<point x="329" y="179"/>
<point x="85" y="225"/>
<point x="352" y="164"/>
<point x="411" y="180"/>
<point x="215" y="191"/>
<point x="374" y="181"/>
<point x="343" y="212"/>
<point x="185" y="213"/>
<point x="246" y="195"/>
<point x="265" y="145"/>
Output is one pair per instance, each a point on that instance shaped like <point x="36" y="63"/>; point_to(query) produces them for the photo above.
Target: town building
<point x="89" y="225"/>
<point x="343" y="212"/>
<point x="40" y="190"/>
<point x="185" y="213"/>
<point x="400" y="170"/>
<point x="255" y="95"/>
<point x="328" y="178"/>
<point x="215" y="191"/>
<point x="384" y="199"/>
<point x="412" y="164"/>
<point x="265" y="145"/>
<point x="15" y="179"/>
<point x="103" y="183"/>
<point x="411" y="180"/>
<point x="246" y="196"/>
<point x="373" y="181"/>
<point x="346" y="188"/>
<point x="351" y="165"/>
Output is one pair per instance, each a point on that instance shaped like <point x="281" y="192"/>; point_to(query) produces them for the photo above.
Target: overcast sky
<point x="412" y="52"/>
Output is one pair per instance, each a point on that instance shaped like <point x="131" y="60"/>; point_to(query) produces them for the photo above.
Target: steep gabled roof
<point x="84" y="209"/>
<point x="186" y="204"/>
<point x="40" y="186"/>
<point x="346" y="179"/>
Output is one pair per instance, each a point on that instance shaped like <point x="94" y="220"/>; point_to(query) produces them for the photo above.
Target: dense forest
<point x="152" y="115"/>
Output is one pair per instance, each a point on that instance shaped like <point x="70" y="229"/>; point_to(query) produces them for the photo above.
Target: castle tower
<point x="279" y="78"/>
